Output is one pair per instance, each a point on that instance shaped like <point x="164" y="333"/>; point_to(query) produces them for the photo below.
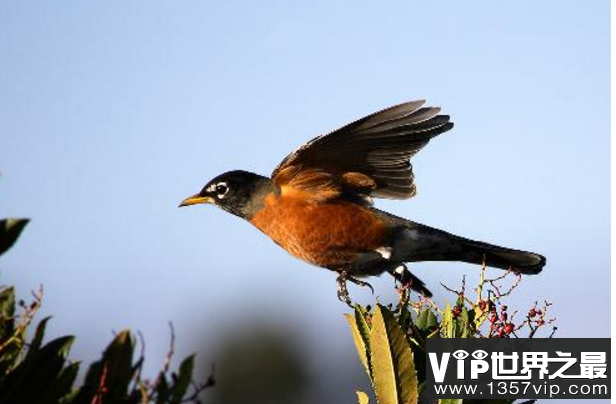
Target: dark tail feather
<point x="401" y="273"/>
<point x="475" y="252"/>
<point x="422" y="243"/>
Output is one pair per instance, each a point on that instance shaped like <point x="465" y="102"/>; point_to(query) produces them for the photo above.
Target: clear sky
<point x="113" y="111"/>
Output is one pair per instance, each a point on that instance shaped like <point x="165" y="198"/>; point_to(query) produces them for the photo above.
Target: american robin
<point x="317" y="204"/>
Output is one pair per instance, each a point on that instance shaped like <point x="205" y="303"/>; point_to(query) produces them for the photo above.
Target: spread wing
<point x="368" y="157"/>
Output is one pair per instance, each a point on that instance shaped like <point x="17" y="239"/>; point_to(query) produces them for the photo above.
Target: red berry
<point x="540" y="323"/>
<point x="501" y="333"/>
<point x="482" y="305"/>
<point x="503" y="316"/>
<point x="503" y="308"/>
<point x="532" y="313"/>
<point x="493" y="318"/>
<point x="457" y="310"/>
<point x="509" y="328"/>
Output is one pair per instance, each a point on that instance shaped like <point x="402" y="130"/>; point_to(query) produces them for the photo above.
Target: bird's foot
<point x="360" y="283"/>
<point x="343" y="293"/>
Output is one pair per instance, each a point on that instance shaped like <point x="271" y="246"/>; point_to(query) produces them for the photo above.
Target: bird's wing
<point x="368" y="157"/>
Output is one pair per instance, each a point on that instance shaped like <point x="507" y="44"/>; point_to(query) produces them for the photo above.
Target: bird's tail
<point x="475" y="252"/>
<point x="423" y="243"/>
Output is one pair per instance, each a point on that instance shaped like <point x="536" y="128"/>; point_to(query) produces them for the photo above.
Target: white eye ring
<point x="221" y="189"/>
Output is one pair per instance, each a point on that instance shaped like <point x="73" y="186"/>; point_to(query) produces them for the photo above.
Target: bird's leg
<point x="343" y="293"/>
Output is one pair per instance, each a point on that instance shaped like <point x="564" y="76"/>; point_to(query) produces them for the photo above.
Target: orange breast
<point x="327" y="234"/>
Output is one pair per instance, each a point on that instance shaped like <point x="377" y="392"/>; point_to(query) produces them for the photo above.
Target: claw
<point x="360" y="283"/>
<point x="343" y="293"/>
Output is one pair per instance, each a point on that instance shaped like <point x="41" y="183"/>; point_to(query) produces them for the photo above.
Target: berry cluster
<point x="533" y="313"/>
<point x="499" y="325"/>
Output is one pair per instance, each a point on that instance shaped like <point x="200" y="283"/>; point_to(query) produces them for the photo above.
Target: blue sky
<point x="111" y="112"/>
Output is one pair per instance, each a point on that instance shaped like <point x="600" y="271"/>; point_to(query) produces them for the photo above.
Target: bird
<point x="318" y="203"/>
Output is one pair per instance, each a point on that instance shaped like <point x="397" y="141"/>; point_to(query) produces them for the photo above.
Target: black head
<point x="238" y="192"/>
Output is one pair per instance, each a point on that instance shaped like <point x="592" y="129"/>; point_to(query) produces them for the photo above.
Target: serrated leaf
<point x="480" y="317"/>
<point x="426" y="320"/>
<point x="360" y="345"/>
<point x="404" y="317"/>
<point x="183" y="380"/>
<point x="464" y="324"/>
<point x="362" y="398"/>
<point x="362" y="325"/>
<point x="393" y="370"/>
<point x="10" y="229"/>
<point x="447" y="323"/>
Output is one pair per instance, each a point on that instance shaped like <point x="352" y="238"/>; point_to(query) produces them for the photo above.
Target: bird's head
<point x="238" y="192"/>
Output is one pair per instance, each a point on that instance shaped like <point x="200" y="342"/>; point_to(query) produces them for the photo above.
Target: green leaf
<point x="404" y="318"/>
<point x="362" y="325"/>
<point x="118" y="358"/>
<point x="426" y="320"/>
<point x="464" y="324"/>
<point x="183" y="380"/>
<point x="360" y="344"/>
<point x="10" y="229"/>
<point x="447" y="323"/>
<point x="395" y="380"/>
<point x="117" y="362"/>
<point x="37" y="340"/>
<point x="11" y="339"/>
<point x="7" y="313"/>
<point x="362" y="398"/>
<point x="40" y="370"/>
<point x="450" y="401"/>
<point x="361" y="336"/>
<point x="62" y="386"/>
<point x="162" y="389"/>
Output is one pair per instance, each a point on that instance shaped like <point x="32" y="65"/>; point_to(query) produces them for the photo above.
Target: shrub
<point x="391" y="342"/>
<point x="39" y="373"/>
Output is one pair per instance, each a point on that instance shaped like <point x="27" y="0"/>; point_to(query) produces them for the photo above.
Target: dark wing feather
<point x="378" y="146"/>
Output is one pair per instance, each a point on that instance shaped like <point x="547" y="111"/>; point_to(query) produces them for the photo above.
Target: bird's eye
<point x="221" y="189"/>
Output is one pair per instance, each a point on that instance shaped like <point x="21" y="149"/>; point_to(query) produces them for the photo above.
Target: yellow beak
<point x="196" y="200"/>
